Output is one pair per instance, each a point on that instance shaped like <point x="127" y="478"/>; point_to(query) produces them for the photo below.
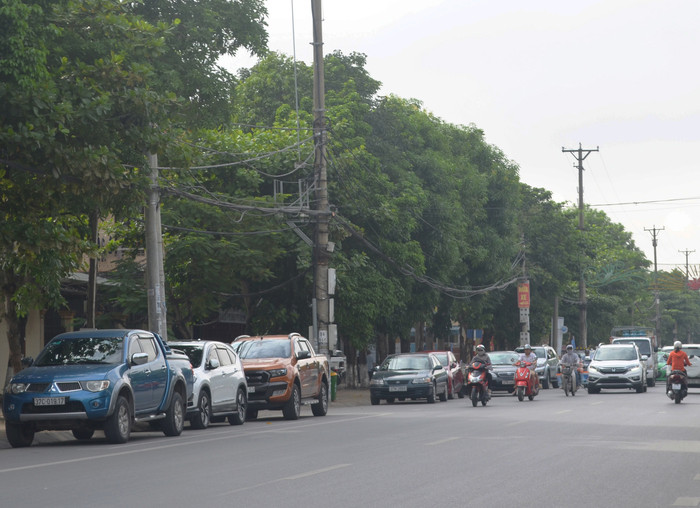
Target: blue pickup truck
<point x="99" y="379"/>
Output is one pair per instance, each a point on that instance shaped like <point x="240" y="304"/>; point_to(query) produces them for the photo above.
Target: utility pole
<point x="157" y="321"/>
<point x="657" y="316"/>
<point x="580" y="155"/>
<point x="321" y="318"/>
<point x="686" y="252"/>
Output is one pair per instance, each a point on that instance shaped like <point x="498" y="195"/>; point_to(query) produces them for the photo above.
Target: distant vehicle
<point x="503" y="372"/>
<point x="617" y="366"/>
<point x="645" y="339"/>
<point x="693" y="371"/>
<point x="455" y="373"/>
<point x="220" y="389"/>
<point x="408" y="376"/>
<point x="547" y="365"/>
<point x="339" y="364"/>
<point x="99" y="379"/>
<point x="283" y="372"/>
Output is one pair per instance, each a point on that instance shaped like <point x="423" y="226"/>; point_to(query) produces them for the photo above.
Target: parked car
<point x="220" y="389"/>
<point x="408" y="376"/>
<point x="283" y="372"/>
<point x="99" y="379"/>
<point x="547" y="365"/>
<point x="455" y="373"/>
<point x="503" y="372"/>
<point x="617" y="366"/>
<point x="693" y="371"/>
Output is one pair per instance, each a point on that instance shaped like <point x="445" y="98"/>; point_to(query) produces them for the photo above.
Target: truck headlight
<point x="95" y="386"/>
<point x="277" y="372"/>
<point x="18" y="387"/>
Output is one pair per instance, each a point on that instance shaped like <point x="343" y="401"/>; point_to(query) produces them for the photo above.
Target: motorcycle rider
<point x="528" y="356"/>
<point x="571" y="358"/>
<point x="484" y="358"/>
<point x="677" y="359"/>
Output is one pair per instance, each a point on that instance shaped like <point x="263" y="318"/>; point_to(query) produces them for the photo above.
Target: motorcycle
<point x="477" y="385"/>
<point x="525" y="384"/>
<point x="677" y="384"/>
<point x="568" y="375"/>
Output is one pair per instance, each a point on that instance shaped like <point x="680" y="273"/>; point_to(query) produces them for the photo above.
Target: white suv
<point x="617" y="366"/>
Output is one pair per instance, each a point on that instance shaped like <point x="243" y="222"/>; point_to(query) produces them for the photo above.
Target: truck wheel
<point x="374" y="400"/>
<point x="321" y="407"/>
<point x="251" y="414"/>
<point x="19" y="435"/>
<point x="174" y="417"/>
<point x="292" y="408"/>
<point x="118" y="426"/>
<point x="82" y="434"/>
<point x="651" y="382"/>
<point x="238" y="418"/>
<point x="545" y="381"/>
<point x="203" y="417"/>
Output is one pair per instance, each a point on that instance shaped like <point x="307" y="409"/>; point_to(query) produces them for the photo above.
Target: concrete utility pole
<point x="687" y="277"/>
<point x="657" y="315"/>
<point x="580" y="155"/>
<point x="157" y="318"/>
<point x="321" y="303"/>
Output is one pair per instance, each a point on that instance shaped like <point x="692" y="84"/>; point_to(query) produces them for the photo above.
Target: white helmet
<point x="527" y="346"/>
<point x="677" y="345"/>
<point x="480" y="348"/>
<point x="569" y="347"/>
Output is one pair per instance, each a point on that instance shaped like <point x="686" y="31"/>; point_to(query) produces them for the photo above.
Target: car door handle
<point x="148" y="372"/>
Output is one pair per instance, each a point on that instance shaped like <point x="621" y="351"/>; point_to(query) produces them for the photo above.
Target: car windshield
<point x="406" y="363"/>
<point x="442" y="358"/>
<point x="82" y="350"/>
<point x="616" y="353"/>
<point x="539" y="352"/>
<point x="268" y="348"/>
<point x="193" y="352"/>
<point x="506" y="358"/>
<point x="642" y="344"/>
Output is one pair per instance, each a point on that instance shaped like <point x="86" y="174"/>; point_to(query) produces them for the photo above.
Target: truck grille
<point x="257" y="377"/>
<point x="68" y="387"/>
<point x="38" y="387"/>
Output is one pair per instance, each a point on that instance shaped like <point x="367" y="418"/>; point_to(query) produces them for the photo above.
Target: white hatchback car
<point x="220" y="388"/>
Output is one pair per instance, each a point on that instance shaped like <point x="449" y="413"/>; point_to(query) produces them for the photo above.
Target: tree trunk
<point x="9" y="316"/>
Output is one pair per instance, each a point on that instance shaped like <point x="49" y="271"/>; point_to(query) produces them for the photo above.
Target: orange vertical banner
<point x="524" y="295"/>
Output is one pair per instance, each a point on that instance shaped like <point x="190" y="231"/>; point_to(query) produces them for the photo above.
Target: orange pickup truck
<point x="283" y="372"/>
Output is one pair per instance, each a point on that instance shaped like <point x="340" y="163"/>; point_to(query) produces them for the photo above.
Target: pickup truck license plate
<point x="49" y="401"/>
<point x="401" y="388"/>
<point x="251" y="389"/>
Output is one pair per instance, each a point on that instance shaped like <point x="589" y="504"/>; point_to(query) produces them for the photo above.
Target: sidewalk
<point x="350" y="397"/>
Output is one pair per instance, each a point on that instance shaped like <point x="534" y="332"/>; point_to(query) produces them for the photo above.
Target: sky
<point x="620" y="76"/>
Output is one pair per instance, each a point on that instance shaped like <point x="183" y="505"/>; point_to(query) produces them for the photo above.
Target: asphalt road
<point x="617" y="448"/>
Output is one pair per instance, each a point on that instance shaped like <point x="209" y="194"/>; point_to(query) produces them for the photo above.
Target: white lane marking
<point x="565" y="411"/>
<point x="687" y="501"/>
<point x="181" y="441"/>
<point x="277" y="480"/>
<point x="596" y="403"/>
<point x="441" y="441"/>
<point x="315" y="472"/>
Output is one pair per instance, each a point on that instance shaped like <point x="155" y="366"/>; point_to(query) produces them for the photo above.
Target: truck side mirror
<point x="214" y="363"/>
<point x="139" y="358"/>
<point x="27" y="361"/>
